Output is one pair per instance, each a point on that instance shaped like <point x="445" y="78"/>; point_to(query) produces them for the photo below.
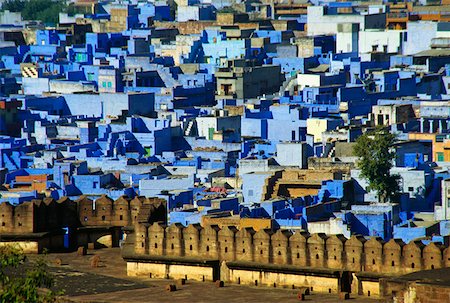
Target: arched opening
<point x="171" y="246"/>
<point x="412" y="265"/>
<point x="190" y="247"/>
<point x="317" y="257"/>
<point x="392" y="263"/>
<point x="207" y="248"/>
<point x="373" y="261"/>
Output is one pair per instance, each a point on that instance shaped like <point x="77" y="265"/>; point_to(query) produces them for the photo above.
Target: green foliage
<point x="376" y="157"/>
<point x="19" y="284"/>
<point x="13" y="5"/>
<point x="45" y="10"/>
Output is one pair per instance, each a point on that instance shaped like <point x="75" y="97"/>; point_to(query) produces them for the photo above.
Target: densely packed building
<point x="208" y="114"/>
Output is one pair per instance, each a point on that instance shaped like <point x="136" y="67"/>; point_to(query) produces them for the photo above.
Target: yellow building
<point x="440" y="145"/>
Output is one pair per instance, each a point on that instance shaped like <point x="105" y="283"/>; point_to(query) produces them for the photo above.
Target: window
<point x="410" y="188"/>
<point x="121" y="217"/>
<point x="109" y="84"/>
<point x="440" y="156"/>
<point x="103" y="218"/>
<point x="104" y="84"/>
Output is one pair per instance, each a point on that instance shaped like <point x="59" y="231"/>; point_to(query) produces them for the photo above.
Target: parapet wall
<point x="284" y="247"/>
<point x="49" y="214"/>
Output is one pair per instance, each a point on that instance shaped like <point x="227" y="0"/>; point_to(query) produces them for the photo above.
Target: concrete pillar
<point x="421" y="125"/>
<point x="431" y="126"/>
<point x="440" y="126"/>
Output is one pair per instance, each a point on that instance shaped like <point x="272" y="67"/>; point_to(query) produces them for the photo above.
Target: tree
<point x="376" y="156"/>
<point x="46" y="11"/>
<point x="20" y="282"/>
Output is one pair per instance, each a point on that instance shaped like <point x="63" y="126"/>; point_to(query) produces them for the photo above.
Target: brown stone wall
<point x="432" y="256"/>
<point x="432" y="293"/>
<point x="280" y="247"/>
<point x="392" y="253"/>
<point x="353" y="249"/>
<point x="412" y="256"/>
<point x="316" y="250"/>
<point x="244" y="244"/>
<point x="263" y="246"/>
<point x="284" y="247"/>
<point x="121" y="214"/>
<point x="373" y="261"/>
<point x="23" y="218"/>
<point x="335" y="251"/>
<point x="192" y="240"/>
<point x="103" y="212"/>
<point x="209" y="244"/>
<point x="174" y="240"/>
<point x="49" y="215"/>
<point x="141" y="245"/>
<point x="156" y="239"/>
<point x="227" y="242"/>
<point x="297" y="243"/>
<point x="6" y="217"/>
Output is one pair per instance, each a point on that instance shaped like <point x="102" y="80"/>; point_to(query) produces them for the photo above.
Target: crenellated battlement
<point x="283" y="247"/>
<point x="42" y="215"/>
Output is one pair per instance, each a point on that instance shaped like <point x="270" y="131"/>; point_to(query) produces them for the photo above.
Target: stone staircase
<point x="190" y="127"/>
<point x="270" y="188"/>
<point x="288" y="84"/>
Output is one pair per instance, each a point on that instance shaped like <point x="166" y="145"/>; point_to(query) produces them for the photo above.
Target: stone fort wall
<point x="41" y="215"/>
<point x="284" y="247"/>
